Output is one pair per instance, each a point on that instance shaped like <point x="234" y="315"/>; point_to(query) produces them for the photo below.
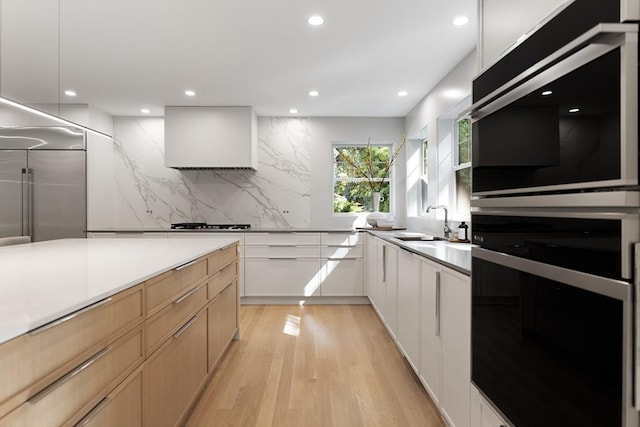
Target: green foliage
<point x="464" y="141"/>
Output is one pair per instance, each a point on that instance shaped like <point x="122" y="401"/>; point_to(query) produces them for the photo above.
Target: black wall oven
<point x="568" y="122"/>
<point x="555" y="221"/>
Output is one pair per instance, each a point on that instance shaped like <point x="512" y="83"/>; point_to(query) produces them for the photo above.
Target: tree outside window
<point x="462" y="167"/>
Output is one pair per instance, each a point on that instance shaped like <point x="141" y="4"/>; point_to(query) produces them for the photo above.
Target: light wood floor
<point x="314" y="366"/>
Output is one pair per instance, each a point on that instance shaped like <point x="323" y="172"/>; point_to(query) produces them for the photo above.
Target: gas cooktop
<point x="205" y="226"/>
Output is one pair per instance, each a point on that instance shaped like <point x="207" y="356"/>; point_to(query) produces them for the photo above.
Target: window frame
<point x="457" y="166"/>
<point x="390" y="179"/>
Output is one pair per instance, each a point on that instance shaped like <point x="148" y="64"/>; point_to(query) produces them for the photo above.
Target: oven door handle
<point x="601" y="285"/>
<point x="592" y="44"/>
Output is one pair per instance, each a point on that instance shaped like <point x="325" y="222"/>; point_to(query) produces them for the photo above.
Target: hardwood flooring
<point x="319" y="365"/>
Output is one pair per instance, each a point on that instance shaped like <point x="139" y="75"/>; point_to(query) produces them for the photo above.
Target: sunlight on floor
<point x="292" y="325"/>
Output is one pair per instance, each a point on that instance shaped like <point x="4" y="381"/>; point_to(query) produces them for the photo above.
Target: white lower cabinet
<point x="430" y="345"/>
<point x="482" y="414"/>
<point x="408" y="301"/>
<point x="387" y="285"/>
<point x="341" y="277"/>
<point x="282" y="277"/>
<point x="371" y="270"/>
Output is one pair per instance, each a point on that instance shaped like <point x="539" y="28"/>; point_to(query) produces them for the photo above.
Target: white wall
<point x="424" y="120"/>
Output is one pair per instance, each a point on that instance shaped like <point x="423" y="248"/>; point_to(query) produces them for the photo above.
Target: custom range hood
<point x="210" y="138"/>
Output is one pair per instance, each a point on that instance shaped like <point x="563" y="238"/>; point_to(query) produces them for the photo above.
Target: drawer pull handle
<point x="57" y="383"/>
<point x="185" y="326"/>
<point x="186" y="295"/>
<point x="282" y="258"/>
<point x="227" y="267"/>
<point x="85" y="420"/>
<point x="189" y="264"/>
<point x="68" y="317"/>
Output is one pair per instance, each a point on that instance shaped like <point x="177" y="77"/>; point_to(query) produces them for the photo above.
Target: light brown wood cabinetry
<point x="122" y="407"/>
<point x="138" y="358"/>
<point x="174" y="373"/>
<point x="33" y="361"/>
<point x="222" y="320"/>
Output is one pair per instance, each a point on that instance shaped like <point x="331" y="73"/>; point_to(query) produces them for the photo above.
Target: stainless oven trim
<point x="581" y="51"/>
<point x="630" y="228"/>
<point x="619" y="290"/>
<point x="629" y="10"/>
<point x="600" y="31"/>
<point x="600" y="285"/>
<point x="620" y="199"/>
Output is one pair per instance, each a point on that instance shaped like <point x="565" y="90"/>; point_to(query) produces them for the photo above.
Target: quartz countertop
<point x="41" y="282"/>
<point x="453" y="255"/>
<point x="249" y="230"/>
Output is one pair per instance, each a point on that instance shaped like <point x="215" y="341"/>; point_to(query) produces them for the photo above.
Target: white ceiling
<point x="122" y="55"/>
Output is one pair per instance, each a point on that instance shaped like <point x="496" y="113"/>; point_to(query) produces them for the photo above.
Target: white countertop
<point x="41" y="282"/>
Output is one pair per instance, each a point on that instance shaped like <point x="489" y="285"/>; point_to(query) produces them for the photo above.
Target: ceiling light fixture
<point x="314" y="93"/>
<point x="293" y="111"/>
<point x="315" y="20"/>
<point x="70" y="93"/>
<point x="403" y="93"/>
<point x="145" y="111"/>
<point x="189" y="93"/>
<point x="547" y="93"/>
<point x="574" y="110"/>
<point x="460" y="20"/>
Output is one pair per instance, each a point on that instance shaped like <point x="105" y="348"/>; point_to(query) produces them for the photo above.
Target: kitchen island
<point x="113" y="331"/>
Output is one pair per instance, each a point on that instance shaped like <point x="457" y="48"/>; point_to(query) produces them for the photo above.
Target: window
<point x="351" y="190"/>
<point x="424" y="178"/>
<point x="462" y="166"/>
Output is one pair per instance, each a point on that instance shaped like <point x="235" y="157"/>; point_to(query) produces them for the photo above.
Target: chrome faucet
<point x="447" y="230"/>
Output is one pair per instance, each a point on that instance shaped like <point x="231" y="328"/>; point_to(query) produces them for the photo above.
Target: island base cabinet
<point x="122" y="407"/>
<point x="173" y="375"/>
<point x="222" y="317"/>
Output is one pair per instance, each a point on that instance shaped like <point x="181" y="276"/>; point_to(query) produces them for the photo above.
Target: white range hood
<point x="210" y="138"/>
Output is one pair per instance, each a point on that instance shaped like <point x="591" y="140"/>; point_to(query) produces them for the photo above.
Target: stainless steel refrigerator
<point x="43" y="182"/>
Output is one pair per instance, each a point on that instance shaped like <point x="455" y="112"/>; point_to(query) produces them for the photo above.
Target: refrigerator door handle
<point x="25" y="202"/>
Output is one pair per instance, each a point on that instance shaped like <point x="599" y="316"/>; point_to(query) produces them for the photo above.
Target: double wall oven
<point x="556" y="221"/>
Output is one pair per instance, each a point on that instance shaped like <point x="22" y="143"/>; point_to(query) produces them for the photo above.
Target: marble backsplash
<point x="149" y="195"/>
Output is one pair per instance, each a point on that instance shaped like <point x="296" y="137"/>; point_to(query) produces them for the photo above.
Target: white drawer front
<point x="341" y="239"/>
<point x="282" y="277"/>
<point x="342" y="278"/>
<point x="340" y="252"/>
<point x="293" y="239"/>
<point x="271" y="252"/>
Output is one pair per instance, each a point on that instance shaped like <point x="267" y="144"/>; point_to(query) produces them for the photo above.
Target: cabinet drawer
<point x="281" y="277"/>
<point x="221" y="258"/>
<point x="269" y="252"/>
<point x="293" y="239"/>
<point x="342" y="278"/>
<point x="31" y="361"/>
<point x="223" y="322"/>
<point x="172" y="375"/>
<point x="222" y="279"/>
<point x="66" y="396"/>
<point x="122" y="407"/>
<point x="164" y="289"/>
<point x="168" y="320"/>
<point x="339" y="252"/>
<point x="341" y="239"/>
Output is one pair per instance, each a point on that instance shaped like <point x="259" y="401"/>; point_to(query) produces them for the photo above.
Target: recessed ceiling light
<point x="189" y="93"/>
<point x="314" y="93"/>
<point x="546" y="93"/>
<point x="460" y="20"/>
<point x="70" y="93"/>
<point x="574" y="110"/>
<point x="403" y="93"/>
<point x="293" y="111"/>
<point x="145" y="111"/>
<point x="315" y="20"/>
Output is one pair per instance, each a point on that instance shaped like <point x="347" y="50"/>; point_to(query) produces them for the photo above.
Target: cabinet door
<point x="456" y="347"/>
<point x="173" y="375"/>
<point x="282" y="277"/>
<point x="371" y="269"/>
<point x="390" y="285"/>
<point x="222" y="317"/>
<point x="122" y="407"/>
<point x="429" y="333"/>
<point x="409" y="301"/>
<point x="341" y="277"/>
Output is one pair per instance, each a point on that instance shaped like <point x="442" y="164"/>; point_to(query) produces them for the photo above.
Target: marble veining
<point x="149" y="195"/>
